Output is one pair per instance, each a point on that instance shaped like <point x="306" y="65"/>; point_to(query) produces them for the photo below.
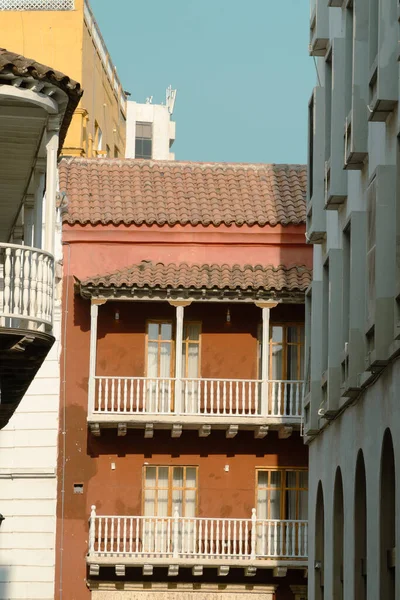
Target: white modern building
<point x="351" y="407"/>
<point x="150" y="132"/>
<point x="36" y="106"/>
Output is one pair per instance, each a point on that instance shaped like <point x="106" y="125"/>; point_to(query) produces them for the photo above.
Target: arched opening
<point x="319" y="545"/>
<point x="360" y="530"/>
<point x="387" y="519"/>
<point x="338" y="524"/>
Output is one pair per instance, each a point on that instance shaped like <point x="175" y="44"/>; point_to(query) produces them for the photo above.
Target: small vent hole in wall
<point x="78" y="488"/>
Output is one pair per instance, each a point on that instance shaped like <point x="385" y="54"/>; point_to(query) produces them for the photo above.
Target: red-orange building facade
<point x="182" y="469"/>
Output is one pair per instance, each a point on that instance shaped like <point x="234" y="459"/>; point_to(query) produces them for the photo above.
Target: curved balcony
<point x="26" y="287"/>
<point x="26" y="318"/>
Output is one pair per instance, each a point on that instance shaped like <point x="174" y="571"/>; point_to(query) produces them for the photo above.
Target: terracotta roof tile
<point x="20" y="66"/>
<point x="103" y="191"/>
<point x="148" y="274"/>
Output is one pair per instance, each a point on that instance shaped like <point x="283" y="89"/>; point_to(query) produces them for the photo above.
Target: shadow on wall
<point x="5" y="576"/>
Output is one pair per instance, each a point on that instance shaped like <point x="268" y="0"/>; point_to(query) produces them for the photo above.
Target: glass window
<point x="282" y="494"/>
<point x="143" y="140"/>
<point x="168" y="487"/>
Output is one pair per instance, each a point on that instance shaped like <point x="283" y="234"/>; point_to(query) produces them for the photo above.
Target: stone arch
<point x="360" y="530"/>
<point x="319" y="544"/>
<point x="387" y="519"/>
<point x="338" y="536"/>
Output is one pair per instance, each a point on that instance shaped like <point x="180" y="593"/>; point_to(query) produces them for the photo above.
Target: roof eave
<point x="146" y="293"/>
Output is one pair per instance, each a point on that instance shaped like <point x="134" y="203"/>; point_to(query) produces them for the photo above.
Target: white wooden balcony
<point x="26" y="287"/>
<point x="202" y="404"/>
<point x="196" y="542"/>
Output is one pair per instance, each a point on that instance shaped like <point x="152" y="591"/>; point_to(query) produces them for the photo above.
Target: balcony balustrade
<point x="26" y="287"/>
<point x="188" y="541"/>
<point x="138" y="400"/>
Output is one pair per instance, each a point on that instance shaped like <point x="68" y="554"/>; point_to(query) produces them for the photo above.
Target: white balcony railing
<point x="198" y="538"/>
<point x="37" y="4"/>
<point x="26" y="287"/>
<point x="202" y="397"/>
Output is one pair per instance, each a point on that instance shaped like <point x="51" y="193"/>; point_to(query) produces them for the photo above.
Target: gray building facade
<point x="352" y="396"/>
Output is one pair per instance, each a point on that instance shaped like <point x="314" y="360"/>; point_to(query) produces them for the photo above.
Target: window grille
<point x="37" y="4"/>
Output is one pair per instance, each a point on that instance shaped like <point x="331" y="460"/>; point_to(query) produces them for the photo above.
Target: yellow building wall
<point x="61" y="39"/>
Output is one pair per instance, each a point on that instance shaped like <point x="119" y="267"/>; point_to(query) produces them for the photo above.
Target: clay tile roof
<point x="146" y="192"/>
<point x="148" y="274"/>
<point x="26" y="67"/>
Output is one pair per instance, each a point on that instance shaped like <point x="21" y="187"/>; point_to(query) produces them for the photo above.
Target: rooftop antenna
<point x="149" y="100"/>
<point x="170" y="99"/>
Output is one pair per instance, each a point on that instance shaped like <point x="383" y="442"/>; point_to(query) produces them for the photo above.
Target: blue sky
<point x="241" y="68"/>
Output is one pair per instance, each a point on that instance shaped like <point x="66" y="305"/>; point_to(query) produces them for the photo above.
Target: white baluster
<point x="99" y="528"/>
<point x="217" y="383"/>
<point x="286" y="412"/>
<point x="176" y="532"/>
<point x="119" y="394"/>
<point x="253" y="533"/>
<point x="118" y="535"/>
<point x="92" y="529"/>
<point x="131" y="385"/>
<point x="112" y="535"/>
<point x="45" y="294"/>
<point x="106" y="540"/>
<point x="17" y="282"/>
<point x="106" y="396"/>
<point x="26" y="280"/>
<point x="130" y="534"/>
<point x="243" y="398"/>
<point x="99" y="395"/>
<point x="230" y="398"/>
<point x="224" y="397"/>
<point x="39" y="294"/>
<point x="32" y="297"/>
<point x="138" y="536"/>
<point x="7" y="281"/>
<point x="112" y="394"/>
<point x="237" y="398"/>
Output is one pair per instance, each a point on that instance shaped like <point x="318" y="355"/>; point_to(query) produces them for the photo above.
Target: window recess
<point x="319" y="28"/>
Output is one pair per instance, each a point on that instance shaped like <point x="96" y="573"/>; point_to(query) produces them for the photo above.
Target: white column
<point x="178" y="358"/>
<point x="28" y="219"/>
<point x="51" y="187"/>
<point x="265" y="307"/>
<point x="94" y="312"/>
<point x="179" y="306"/>
<point x="38" y="208"/>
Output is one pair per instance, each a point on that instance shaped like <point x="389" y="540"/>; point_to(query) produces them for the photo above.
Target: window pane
<point x="277" y="333"/>
<point x="152" y="359"/>
<point x="190" y="503"/>
<point x="147" y="148"/>
<point x="139" y="130"/>
<point x="262" y="478"/>
<point x="177" y="501"/>
<point x="292" y="335"/>
<point x="190" y="477"/>
<point x="262" y="504"/>
<point x="275" y="504"/>
<point x="150" y="476"/>
<point x="277" y="362"/>
<point x="138" y="148"/>
<point x="303" y="505"/>
<point x="293" y="367"/>
<point x="153" y="331"/>
<point x="303" y="479"/>
<point x="163" y="477"/>
<point x="291" y="504"/>
<point x="192" y="331"/>
<point x="146" y="130"/>
<point x="166" y="331"/>
<point x="275" y="479"/>
<point x="178" y="477"/>
<point x="291" y="479"/>
<point x="165" y="360"/>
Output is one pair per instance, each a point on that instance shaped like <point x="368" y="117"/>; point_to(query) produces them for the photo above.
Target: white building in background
<point x="352" y="402"/>
<point x="36" y="107"/>
<point x="150" y="132"/>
